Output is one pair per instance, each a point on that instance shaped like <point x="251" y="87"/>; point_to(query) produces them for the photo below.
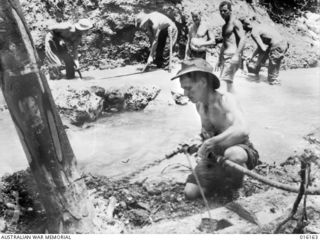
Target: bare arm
<point x="155" y="42"/>
<point x="238" y="132"/>
<point x="238" y="29"/>
<point x="60" y="26"/>
<point x="211" y="38"/>
<point x="187" y="45"/>
<point x="235" y="134"/>
<point x="256" y="37"/>
<point x="254" y="53"/>
<point x="75" y="49"/>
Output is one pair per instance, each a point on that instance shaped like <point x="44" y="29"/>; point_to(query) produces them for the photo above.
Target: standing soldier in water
<point x="159" y="27"/>
<point x="233" y="42"/>
<point x="56" y="46"/>
<point x="199" y="37"/>
<point x="270" y="45"/>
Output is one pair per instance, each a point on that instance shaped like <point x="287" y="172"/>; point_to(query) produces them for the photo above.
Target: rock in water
<point x="78" y="106"/>
<point x="179" y="98"/>
<point x="99" y="91"/>
<point x="137" y="98"/>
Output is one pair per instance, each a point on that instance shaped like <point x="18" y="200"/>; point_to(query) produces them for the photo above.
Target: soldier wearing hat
<point x="56" y="49"/>
<point x="224" y="131"/>
<point x="160" y="28"/>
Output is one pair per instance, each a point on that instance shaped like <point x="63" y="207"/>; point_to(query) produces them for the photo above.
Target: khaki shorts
<point x="228" y="70"/>
<point x="215" y="178"/>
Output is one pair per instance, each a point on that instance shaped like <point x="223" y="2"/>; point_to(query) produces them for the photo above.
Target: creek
<point x="278" y="116"/>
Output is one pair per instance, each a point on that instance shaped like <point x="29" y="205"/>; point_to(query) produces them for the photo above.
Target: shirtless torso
<point x="231" y="36"/>
<point x="219" y="114"/>
<point x="198" y="35"/>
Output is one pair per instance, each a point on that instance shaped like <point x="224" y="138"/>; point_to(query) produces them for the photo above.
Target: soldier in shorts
<point x="224" y="131"/>
<point x="233" y="42"/>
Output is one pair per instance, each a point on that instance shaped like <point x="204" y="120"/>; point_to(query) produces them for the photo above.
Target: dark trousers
<point x="163" y="49"/>
<point x="62" y="52"/>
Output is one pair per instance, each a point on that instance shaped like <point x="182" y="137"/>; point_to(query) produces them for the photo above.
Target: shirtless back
<point x="155" y="22"/>
<point x="269" y="35"/>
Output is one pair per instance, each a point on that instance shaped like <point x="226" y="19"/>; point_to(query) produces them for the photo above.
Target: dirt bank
<point x="115" y="42"/>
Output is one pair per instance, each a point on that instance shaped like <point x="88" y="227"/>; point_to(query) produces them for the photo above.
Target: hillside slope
<point x="114" y="41"/>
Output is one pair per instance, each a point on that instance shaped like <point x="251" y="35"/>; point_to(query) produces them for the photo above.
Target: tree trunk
<point x="51" y="159"/>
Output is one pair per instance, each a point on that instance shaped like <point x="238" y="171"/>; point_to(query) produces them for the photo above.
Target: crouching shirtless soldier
<point x="224" y="130"/>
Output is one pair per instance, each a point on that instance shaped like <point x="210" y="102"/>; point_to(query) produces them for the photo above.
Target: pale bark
<point x="51" y="159"/>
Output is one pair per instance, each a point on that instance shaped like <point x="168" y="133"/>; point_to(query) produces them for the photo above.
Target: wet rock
<point x="179" y="98"/>
<point x="129" y="99"/>
<point x="137" y="98"/>
<point x="99" y="91"/>
<point x="3" y="107"/>
<point x="123" y="205"/>
<point x="114" y="100"/>
<point x="152" y="188"/>
<point x="139" y="216"/>
<point x="78" y="106"/>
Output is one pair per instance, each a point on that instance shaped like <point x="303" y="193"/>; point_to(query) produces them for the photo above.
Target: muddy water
<point x="116" y="145"/>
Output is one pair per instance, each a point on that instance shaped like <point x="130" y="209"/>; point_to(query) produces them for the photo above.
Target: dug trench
<point x="124" y="206"/>
<point x="153" y="197"/>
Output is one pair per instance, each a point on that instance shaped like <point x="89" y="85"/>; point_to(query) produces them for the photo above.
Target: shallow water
<point x="279" y="116"/>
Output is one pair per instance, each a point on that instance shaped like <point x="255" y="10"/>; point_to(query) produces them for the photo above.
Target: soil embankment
<point x="114" y="41"/>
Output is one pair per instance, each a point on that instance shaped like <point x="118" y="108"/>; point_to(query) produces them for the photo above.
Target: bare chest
<point x="227" y="30"/>
<point x="202" y="31"/>
<point x="213" y="119"/>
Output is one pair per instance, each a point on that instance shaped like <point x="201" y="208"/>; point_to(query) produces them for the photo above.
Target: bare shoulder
<point x="60" y="26"/>
<point x="237" y="24"/>
<point x="229" y="101"/>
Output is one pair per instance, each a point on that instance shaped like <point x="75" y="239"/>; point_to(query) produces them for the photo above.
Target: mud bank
<point x="151" y="203"/>
<point x="115" y="41"/>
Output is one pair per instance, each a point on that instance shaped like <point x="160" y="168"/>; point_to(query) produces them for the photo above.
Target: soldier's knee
<point x="191" y="191"/>
<point x="236" y="154"/>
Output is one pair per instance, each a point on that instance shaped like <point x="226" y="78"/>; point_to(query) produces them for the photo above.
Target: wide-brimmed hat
<point x="199" y="65"/>
<point x="83" y="24"/>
